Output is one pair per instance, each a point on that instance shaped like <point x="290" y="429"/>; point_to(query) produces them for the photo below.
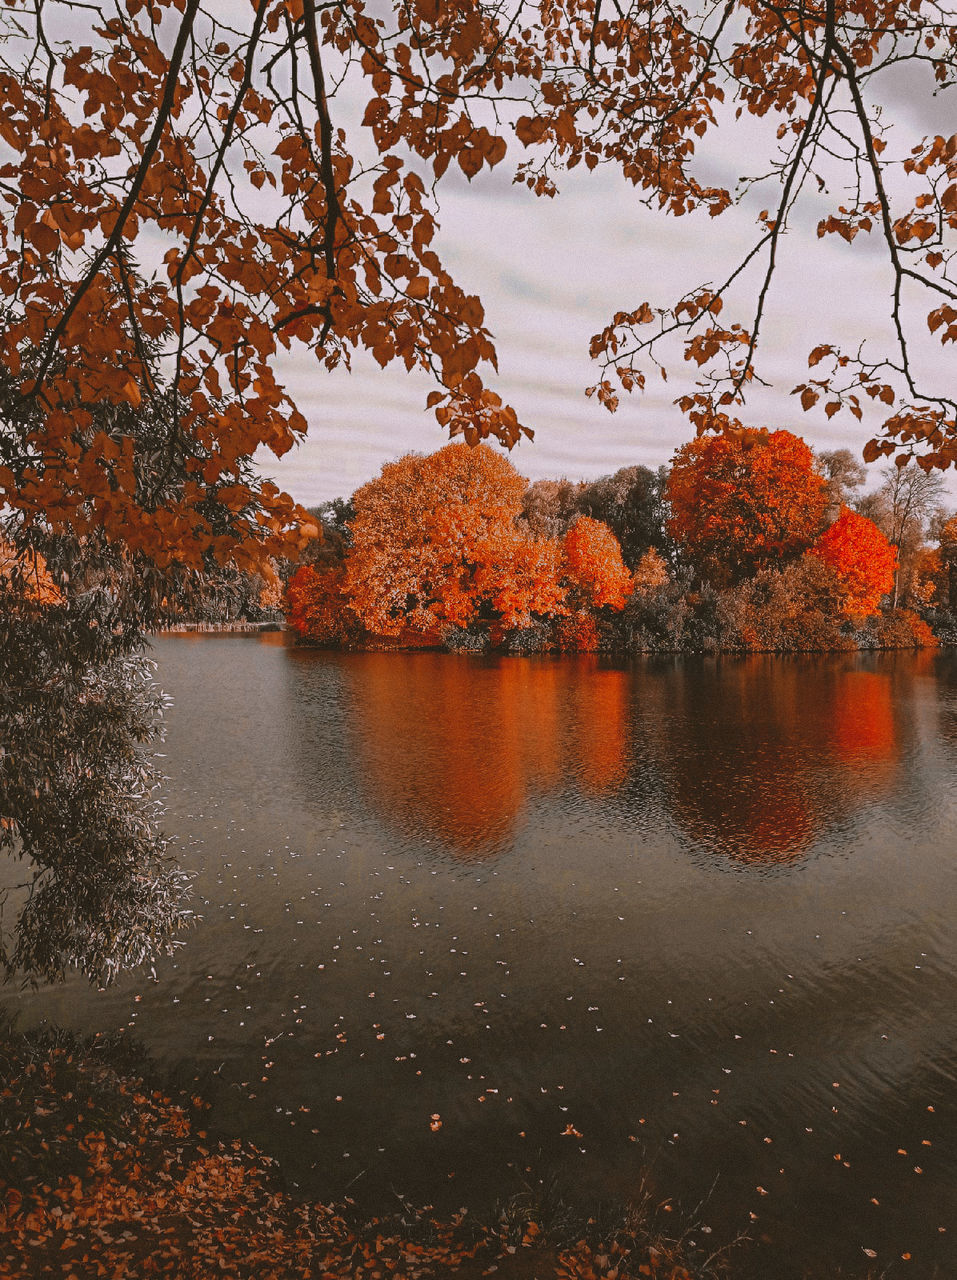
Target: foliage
<point x="928" y="577"/>
<point x="862" y="559"/>
<point x="947" y="581"/>
<point x="594" y="565"/>
<point x="270" y="229"/>
<point x="795" y="608"/>
<point x="670" y="618"/>
<point x="434" y="542"/>
<point x="631" y="503"/>
<point x="450" y="549"/>
<point x="651" y="571"/>
<point x="441" y="546"/>
<point x="739" y="500"/>
<point x="577" y="633"/>
<point x="518" y="578"/>
<point x="79" y="713"/>
<point x="898" y="629"/>
<point x="550" y="506"/>
<point x="844" y="473"/>
<point x="317" y="608"/>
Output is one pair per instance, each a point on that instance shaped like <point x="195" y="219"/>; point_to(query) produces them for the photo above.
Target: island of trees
<point x="747" y="542"/>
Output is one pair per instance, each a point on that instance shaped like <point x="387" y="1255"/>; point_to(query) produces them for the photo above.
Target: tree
<point x="912" y="496"/>
<point x="948" y="555"/>
<point x="743" y="499"/>
<point x="519" y="578"/>
<point x="317" y="607"/>
<point x="594" y="565"/>
<point x="844" y="474"/>
<point x="863" y="560"/>
<point x="651" y="572"/>
<point x="166" y="135"/>
<point x="78" y="807"/>
<point x="549" y="507"/>
<point x="631" y="503"/>
<point x="435" y="543"/>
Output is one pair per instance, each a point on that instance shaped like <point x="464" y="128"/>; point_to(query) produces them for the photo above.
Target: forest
<point x="747" y="542"/>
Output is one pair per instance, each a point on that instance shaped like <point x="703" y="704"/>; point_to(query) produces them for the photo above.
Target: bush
<point x="536" y="638"/>
<point x="797" y="608"/>
<point x="900" y="629"/>
<point x="669" y="618"/>
<point x="465" y="640"/>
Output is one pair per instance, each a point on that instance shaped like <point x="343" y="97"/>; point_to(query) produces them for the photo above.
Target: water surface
<point x="470" y="922"/>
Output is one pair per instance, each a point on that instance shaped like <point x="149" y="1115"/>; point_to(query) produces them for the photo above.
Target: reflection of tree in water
<point x="773" y="751"/>
<point x="945" y="702"/>
<point x="453" y="747"/>
<point x="864" y="727"/>
<point x="754" y="758"/>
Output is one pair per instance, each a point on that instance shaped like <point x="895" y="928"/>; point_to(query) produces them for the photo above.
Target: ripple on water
<point x="595" y="918"/>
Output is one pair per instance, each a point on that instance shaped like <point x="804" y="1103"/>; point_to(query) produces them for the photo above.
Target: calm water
<point x="688" y="915"/>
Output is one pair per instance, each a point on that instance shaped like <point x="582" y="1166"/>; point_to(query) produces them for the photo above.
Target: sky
<point x="551" y="273"/>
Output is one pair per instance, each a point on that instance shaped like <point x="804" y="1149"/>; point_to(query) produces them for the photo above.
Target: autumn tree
<point x="435" y="544"/>
<point x="741" y="499"/>
<point x="595" y="577"/>
<point x="650" y="572"/>
<point x="317" y="607"/>
<point x="594" y="564"/>
<point x="863" y="560"/>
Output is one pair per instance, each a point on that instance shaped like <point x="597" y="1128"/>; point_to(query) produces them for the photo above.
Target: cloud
<point x="552" y="272"/>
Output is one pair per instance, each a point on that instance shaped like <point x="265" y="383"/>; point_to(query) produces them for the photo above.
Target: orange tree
<point x="743" y="498"/>
<point x="317" y="608"/>
<point x="435" y="544"/>
<point x="863" y="561"/>
<point x="594" y="566"/>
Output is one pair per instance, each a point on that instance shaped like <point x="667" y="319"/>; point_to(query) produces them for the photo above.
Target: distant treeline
<point x="748" y="541"/>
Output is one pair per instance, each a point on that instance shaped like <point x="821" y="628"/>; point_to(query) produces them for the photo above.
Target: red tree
<point x="744" y="498"/>
<point x="317" y="608"/>
<point x="862" y="558"/>
<point x="435" y="545"/>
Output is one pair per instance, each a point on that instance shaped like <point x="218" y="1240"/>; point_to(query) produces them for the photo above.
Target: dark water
<point x="690" y="916"/>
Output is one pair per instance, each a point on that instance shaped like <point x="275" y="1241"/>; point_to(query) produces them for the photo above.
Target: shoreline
<point x="106" y="1169"/>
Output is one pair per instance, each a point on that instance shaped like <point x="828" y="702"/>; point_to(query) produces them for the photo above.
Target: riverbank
<point x="229" y="628"/>
<point x="106" y="1172"/>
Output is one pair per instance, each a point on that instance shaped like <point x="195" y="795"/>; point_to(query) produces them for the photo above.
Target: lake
<point x="470" y="923"/>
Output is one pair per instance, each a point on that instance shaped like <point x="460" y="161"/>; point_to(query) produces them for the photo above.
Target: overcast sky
<point x="551" y="273"/>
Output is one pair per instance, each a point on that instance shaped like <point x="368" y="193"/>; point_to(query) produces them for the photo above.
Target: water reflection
<point x="456" y="747"/>
<point x="770" y="755"/>
<point x="755" y="760"/>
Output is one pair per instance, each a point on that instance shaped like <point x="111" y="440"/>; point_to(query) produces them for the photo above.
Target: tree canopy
<point x="743" y="498"/>
<point x="863" y="560"/>
<point x="182" y="197"/>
